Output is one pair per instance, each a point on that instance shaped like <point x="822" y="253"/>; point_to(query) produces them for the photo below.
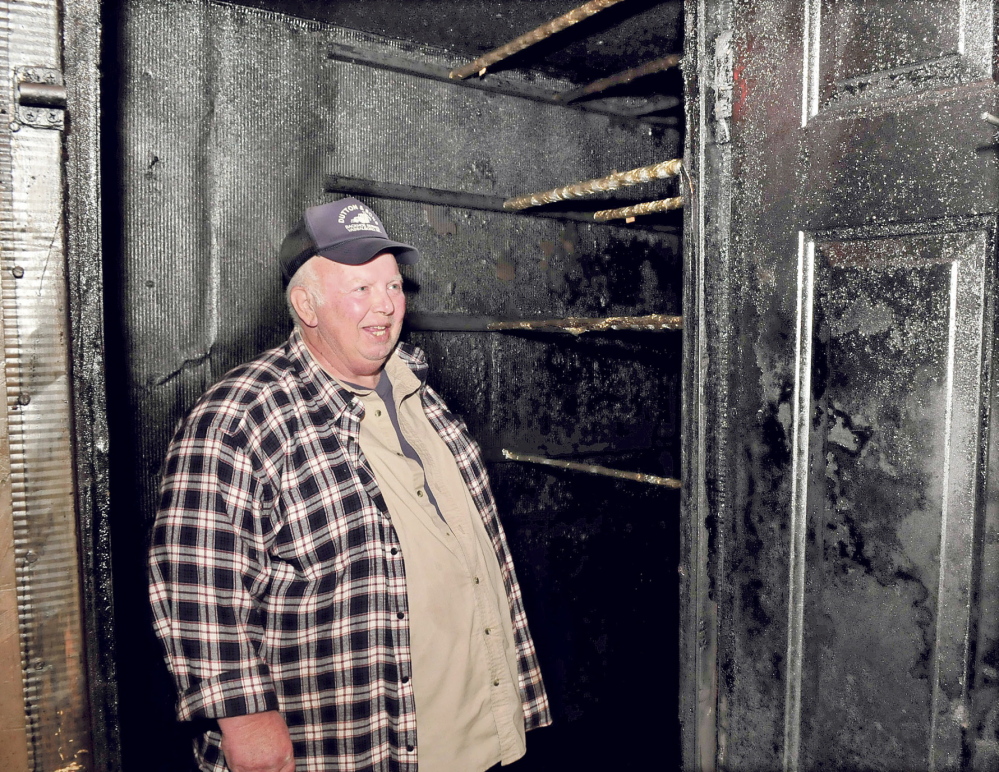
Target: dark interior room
<point x="245" y="114"/>
<point x="710" y="283"/>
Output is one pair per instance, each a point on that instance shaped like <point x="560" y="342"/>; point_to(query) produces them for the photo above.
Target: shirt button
<point x="496" y="682"/>
<point x="394" y="551"/>
<point x="476" y="580"/>
<point x="410" y="748"/>
<point x="378" y="414"/>
<point x="400" y="615"/>
<point x="419" y="494"/>
<point x="488" y="630"/>
<point x="405" y="679"/>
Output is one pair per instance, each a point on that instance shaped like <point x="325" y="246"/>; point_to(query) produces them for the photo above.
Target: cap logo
<point x="363" y="220"/>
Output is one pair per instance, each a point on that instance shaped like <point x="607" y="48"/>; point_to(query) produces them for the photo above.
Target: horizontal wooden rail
<point x="528" y="39"/>
<point x="610" y="183"/>
<point x="578" y="325"/>
<point x="629" y="213"/>
<point x="651" y="479"/>
<point x="621" y="78"/>
<point x="419" y="322"/>
<point x="399" y="192"/>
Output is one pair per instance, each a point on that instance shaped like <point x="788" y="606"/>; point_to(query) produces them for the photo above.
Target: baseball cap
<point x="345" y="231"/>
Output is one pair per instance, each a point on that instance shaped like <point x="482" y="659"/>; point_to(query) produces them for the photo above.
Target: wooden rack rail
<point x="436" y="197"/>
<point x="651" y="479"/>
<point x="621" y="78"/>
<point x="572" y="325"/>
<point x="629" y="213"/>
<point x="528" y="39"/>
<point x="611" y="182"/>
<point x="579" y="325"/>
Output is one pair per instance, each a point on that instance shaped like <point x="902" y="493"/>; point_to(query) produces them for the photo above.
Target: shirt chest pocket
<point x="329" y="521"/>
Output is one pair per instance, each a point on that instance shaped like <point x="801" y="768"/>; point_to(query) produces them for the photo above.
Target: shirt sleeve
<point x="208" y="566"/>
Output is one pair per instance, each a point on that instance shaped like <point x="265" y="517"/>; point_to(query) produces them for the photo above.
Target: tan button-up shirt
<point x="468" y="708"/>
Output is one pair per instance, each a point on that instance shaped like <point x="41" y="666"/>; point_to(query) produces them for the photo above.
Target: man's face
<point x="357" y="325"/>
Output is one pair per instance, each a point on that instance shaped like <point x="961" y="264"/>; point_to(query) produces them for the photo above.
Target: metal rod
<point x="342" y="184"/>
<point x="642" y="111"/>
<point x="630" y="212"/>
<point x="611" y="182"/>
<point x="418" y="322"/>
<point x="579" y="325"/>
<point x="528" y="39"/>
<point x="990" y="118"/>
<point x="634" y="109"/>
<point x="668" y="482"/>
<point x="621" y="78"/>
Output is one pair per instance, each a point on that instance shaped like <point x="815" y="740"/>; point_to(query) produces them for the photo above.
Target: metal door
<point x="842" y="563"/>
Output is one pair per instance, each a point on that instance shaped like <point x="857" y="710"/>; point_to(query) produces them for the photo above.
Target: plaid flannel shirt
<point x="276" y="580"/>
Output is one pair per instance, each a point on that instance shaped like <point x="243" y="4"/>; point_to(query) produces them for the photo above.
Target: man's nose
<point x="383" y="302"/>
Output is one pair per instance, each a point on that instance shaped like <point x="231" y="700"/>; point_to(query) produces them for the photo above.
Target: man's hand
<point x="258" y="742"/>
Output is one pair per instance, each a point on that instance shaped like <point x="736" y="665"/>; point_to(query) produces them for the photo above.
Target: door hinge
<point x="723" y="87"/>
<point x="40" y="98"/>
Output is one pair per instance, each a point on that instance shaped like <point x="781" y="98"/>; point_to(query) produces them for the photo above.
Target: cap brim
<point x="358" y="251"/>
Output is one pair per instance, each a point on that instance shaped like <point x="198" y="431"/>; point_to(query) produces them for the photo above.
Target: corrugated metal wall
<point x="231" y="121"/>
<point x="38" y="488"/>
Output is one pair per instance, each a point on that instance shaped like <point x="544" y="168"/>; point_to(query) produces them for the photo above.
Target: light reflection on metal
<point x="579" y="325"/>
<point x="40" y="98"/>
<point x="35" y="339"/>
<point x="611" y="182"/>
<point x="41" y="95"/>
<point x="651" y="479"/>
<point x="649" y="207"/>
<point x="621" y="78"/>
<point x="529" y="39"/>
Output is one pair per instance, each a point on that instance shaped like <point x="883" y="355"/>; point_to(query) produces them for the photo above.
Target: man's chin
<point x="377" y="356"/>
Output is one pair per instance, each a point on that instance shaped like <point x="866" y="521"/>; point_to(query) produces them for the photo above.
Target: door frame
<point x="83" y="57"/>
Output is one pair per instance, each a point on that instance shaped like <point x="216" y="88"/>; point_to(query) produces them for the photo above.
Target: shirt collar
<point x="321" y="384"/>
<point x="405" y="380"/>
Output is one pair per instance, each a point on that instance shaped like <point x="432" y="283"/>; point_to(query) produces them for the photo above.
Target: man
<point x="328" y="574"/>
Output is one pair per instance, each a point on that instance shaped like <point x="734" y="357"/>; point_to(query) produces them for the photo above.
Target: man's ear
<point x="304" y="305"/>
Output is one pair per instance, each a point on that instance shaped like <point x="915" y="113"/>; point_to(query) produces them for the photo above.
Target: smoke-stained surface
<point x="231" y="120"/>
<point x="850" y="230"/>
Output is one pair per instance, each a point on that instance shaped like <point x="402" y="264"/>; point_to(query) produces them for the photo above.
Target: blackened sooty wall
<point x="230" y="122"/>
